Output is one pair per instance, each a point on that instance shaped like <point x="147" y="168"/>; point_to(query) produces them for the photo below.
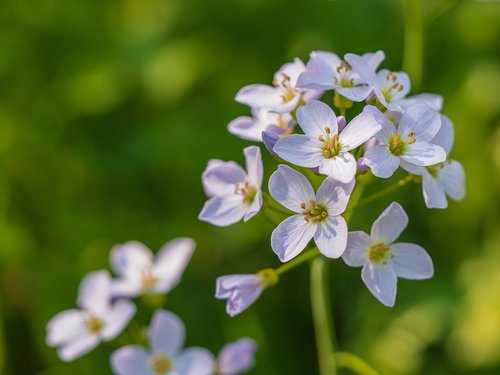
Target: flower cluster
<point x="105" y="310"/>
<point x="343" y="151"/>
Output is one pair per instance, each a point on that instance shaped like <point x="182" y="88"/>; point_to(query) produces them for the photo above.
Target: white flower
<point x="251" y="128"/>
<point x="140" y="272"/>
<point x="76" y="332"/>
<point x="383" y="261"/>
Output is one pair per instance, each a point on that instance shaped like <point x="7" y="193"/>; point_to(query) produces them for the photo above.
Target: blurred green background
<point x="109" y="112"/>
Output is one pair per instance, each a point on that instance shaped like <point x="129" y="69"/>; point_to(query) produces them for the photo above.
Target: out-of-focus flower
<point x="236" y="357"/>
<point x="234" y="193"/>
<point x="318" y="215"/>
<point x="384" y="261"/>
<point x="322" y="146"/>
<point x="251" y="128"/>
<point x="141" y="273"/>
<point x="76" y="332"/>
<point x="165" y="355"/>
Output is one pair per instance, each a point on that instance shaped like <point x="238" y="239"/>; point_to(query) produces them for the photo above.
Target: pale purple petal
<point x="254" y="207"/>
<point x="117" y="318"/>
<point x="381" y="162"/>
<point x="241" y="291"/>
<point x="290" y="188"/>
<point x="300" y="150"/>
<point x="94" y="292"/>
<point x="314" y="117"/>
<point x="358" y="131"/>
<point x="381" y="281"/>
<point x="331" y="236"/>
<point x="389" y="224"/>
<point x="254" y="165"/>
<point x="320" y="71"/>
<point x="220" y="178"/>
<point x="401" y="77"/>
<point x="411" y="261"/>
<point x="341" y="168"/>
<point x="445" y="135"/>
<point x="223" y="211"/>
<point x="374" y="58"/>
<point x="422" y="120"/>
<point x="65" y="326"/>
<point x="432" y="100"/>
<point x="356" y="94"/>
<point x="388" y="129"/>
<point x="413" y="169"/>
<point x="194" y="361"/>
<point x="292" y="236"/>
<point x="270" y="138"/>
<point x="237" y="357"/>
<point x="341" y="122"/>
<point x="167" y="333"/>
<point x="334" y="195"/>
<point x="452" y="178"/>
<point x="355" y="254"/>
<point x="259" y="96"/>
<point x="127" y="287"/>
<point x="131" y="360"/>
<point x="287" y="107"/>
<point x="247" y="128"/>
<point x="78" y="347"/>
<point x="423" y="154"/>
<point x="434" y="194"/>
<point x="291" y="69"/>
<point x="362" y="67"/>
<point x="130" y="258"/>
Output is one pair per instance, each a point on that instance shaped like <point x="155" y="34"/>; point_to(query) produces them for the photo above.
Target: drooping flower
<point x="251" y="128"/>
<point x="322" y="146"/>
<point x="165" y="355"/>
<point x="236" y="357"/>
<point x="326" y="71"/>
<point x="446" y="178"/>
<point x="383" y="261"/>
<point x="317" y="215"/>
<point x="140" y="272"/>
<point x="241" y="291"/>
<point x="234" y="194"/>
<point x="410" y="142"/>
<point x="283" y="96"/>
<point x="76" y="332"/>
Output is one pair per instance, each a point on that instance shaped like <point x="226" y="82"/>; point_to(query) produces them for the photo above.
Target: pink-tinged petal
<point x="445" y="135"/>
<point x="314" y="117"/>
<point x="300" y="150"/>
<point x="290" y="188"/>
<point x="413" y="169"/>
<point x="130" y="259"/>
<point x="434" y="194"/>
<point x="341" y="168"/>
<point x="421" y="120"/>
<point x="423" y="154"/>
<point x="167" y="333"/>
<point x="358" y="131"/>
<point x="381" y="281"/>
<point x="432" y="100"/>
<point x="355" y="254"/>
<point x="388" y="129"/>
<point x="194" y="361"/>
<point x="331" y="236"/>
<point x="220" y="178"/>
<point x="236" y="357"/>
<point x="389" y="224"/>
<point x="452" y="177"/>
<point x="255" y="207"/>
<point x="117" y="319"/>
<point x="78" y="347"/>
<point x="241" y="291"/>
<point x="246" y="128"/>
<point x="95" y="292"/>
<point x="360" y="65"/>
<point x="66" y="326"/>
<point x="381" y="162"/>
<point x="223" y="211"/>
<point x="254" y="165"/>
<point x="356" y="94"/>
<point x="320" y="71"/>
<point x="292" y="236"/>
<point x="131" y="360"/>
<point x="374" y="59"/>
<point x="411" y="261"/>
<point x="334" y="195"/>
<point x="171" y="262"/>
<point x="259" y="96"/>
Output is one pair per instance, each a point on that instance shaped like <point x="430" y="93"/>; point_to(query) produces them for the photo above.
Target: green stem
<point x="304" y="257"/>
<point x="414" y="41"/>
<point x="354" y="363"/>
<point x="387" y="190"/>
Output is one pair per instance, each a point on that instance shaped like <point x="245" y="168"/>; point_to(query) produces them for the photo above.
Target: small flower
<point x="141" y="273"/>
<point x="326" y="71"/>
<point x="283" y="96"/>
<point x="251" y="128"/>
<point x="446" y="178"/>
<point x="322" y="146"/>
<point x="409" y="142"/>
<point x="236" y="357"/>
<point x="384" y="261"/>
<point x="76" y="332"/>
<point x="234" y="194"/>
<point x="165" y="355"/>
<point x="270" y="138"/>
<point x="318" y="215"/>
<point x="241" y="291"/>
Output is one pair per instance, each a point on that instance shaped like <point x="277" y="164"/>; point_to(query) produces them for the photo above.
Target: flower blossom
<point x="236" y="357"/>
<point x="165" y="355"/>
<point x="140" y="272"/>
<point x="234" y="193"/>
<point x="322" y="146"/>
<point x="383" y="261"/>
<point x="251" y="128"/>
<point x="317" y="215"/>
<point x="76" y="332"/>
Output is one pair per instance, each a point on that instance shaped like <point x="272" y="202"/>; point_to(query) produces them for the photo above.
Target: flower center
<point x="391" y="86"/>
<point x="93" y="324"/>
<point x="247" y="191"/>
<point x="343" y="77"/>
<point x="285" y="85"/>
<point x="397" y="144"/>
<point x="148" y="280"/>
<point x="331" y="146"/>
<point x="314" y="212"/>
<point x="380" y="253"/>
<point x="160" y="364"/>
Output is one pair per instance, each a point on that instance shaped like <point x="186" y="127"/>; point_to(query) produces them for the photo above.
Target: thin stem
<point x="355" y="197"/>
<point x="414" y="41"/>
<point x="304" y="257"/>
<point x="387" y="190"/>
<point x="354" y="363"/>
<point x="323" y="322"/>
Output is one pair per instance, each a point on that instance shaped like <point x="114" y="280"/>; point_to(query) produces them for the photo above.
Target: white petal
<point x="127" y="287"/>
<point x="334" y="195"/>
<point x="411" y="261"/>
<point x="422" y="120"/>
<point x="95" y="292"/>
<point x="300" y="150"/>
<point x="381" y="281"/>
<point x="194" y="361"/>
<point x="223" y="211"/>
<point x="131" y="360"/>
<point x="220" y="178"/>
<point x="432" y="100"/>
<point x="341" y="168"/>
<point x="331" y="236"/>
<point x="355" y="254"/>
<point x="255" y="207"/>
<point x="130" y="259"/>
<point x="320" y="71"/>
<point x="254" y="165"/>
<point x="361" y="66"/>
<point x="387" y="130"/>
<point x="358" y="131"/>
<point x="78" y="347"/>
<point x="382" y="163"/>
<point x="247" y="128"/>
<point x="117" y="318"/>
<point x="445" y="135"/>
<point x="290" y="188"/>
<point x="259" y="96"/>
<point x="434" y="194"/>
<point x="389" y="224"/>
<point x="423" y="154"/>
<point x="167" y="333"/>
<point x="356" y="94"/>
<point x="452" y="177"/>
<point x="292" y="70"/>
<point x="374" y="58"/>
<point x="291" y="237"/>
<point x="65" y="326"/>
<point x="413" y="169"/>
<point x="314" y="117"/>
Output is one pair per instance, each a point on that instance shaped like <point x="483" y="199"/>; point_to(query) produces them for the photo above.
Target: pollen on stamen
<point x="320" y="138"/>
<point x="327" y="130"/>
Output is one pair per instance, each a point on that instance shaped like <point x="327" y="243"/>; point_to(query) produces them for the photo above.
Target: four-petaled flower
<point x="384" y="261"/>
<point x="234" y="194"/>
<point x="236" y="357"/>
